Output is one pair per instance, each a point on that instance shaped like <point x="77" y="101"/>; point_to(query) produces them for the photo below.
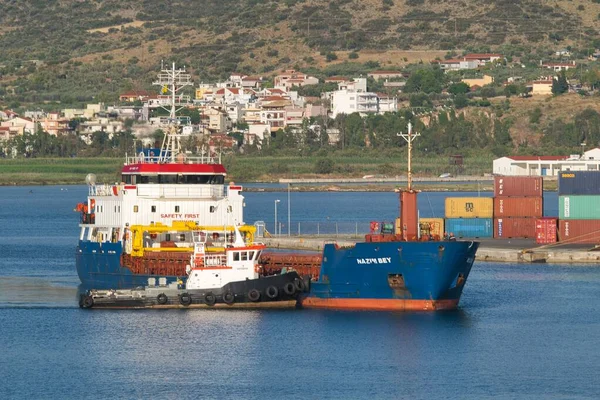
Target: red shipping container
<point x="579" y="231"/>
<point x="518" y="207"/>
<point x="509" y="228"/>
<point x="545" y="230"/>
<point x="525" y="186"/>
<point x="409" y="215"/>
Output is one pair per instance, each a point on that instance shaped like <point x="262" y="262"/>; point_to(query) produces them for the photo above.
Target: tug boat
<point x="230" y="278"/>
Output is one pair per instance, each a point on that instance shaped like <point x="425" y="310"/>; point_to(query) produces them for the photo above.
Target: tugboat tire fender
<point x="272" y="292"/>
<point x="228" y="298"/>
<point x="299" y="284"/>
<point x="254" y="295"/>
<point x="289" y="288"/>
<point x="88" y="302"/>
<point x="185" y="299"/>
<point x="162" y="298"/>
<point x="210" y="299"/>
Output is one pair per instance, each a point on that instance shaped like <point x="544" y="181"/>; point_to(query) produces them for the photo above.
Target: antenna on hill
<point x="409" y="137"/>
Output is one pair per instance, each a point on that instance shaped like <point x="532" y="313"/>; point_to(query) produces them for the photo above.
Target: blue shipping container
<point x="578" y="182"/>
<point x="470" y="227"/>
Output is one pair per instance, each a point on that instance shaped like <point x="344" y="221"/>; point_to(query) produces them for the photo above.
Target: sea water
<point x="522" y="331"/>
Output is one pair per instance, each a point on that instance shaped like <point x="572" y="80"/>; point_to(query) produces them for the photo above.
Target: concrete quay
<point x="490" y="250"/>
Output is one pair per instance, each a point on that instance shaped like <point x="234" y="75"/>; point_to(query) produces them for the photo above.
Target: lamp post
<point x="583" y="150"/>
<point x="289" y="223"/>
<point x="276" y="201"/>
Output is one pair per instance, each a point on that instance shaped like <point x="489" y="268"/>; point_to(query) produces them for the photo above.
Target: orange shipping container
<point x="518" y="207"/>
<point x="525" y="186"/>
<point x="509" y="228"/>
<point x="579" y="231"/>
<point x="435" y="226"/>
<point x="469" y="207"/>
<point x="545" y="230"/>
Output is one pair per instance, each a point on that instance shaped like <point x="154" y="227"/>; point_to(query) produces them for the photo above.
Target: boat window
<point x="135" y="209"/>
<point x="244" y="256"/>
<point x="153" y="208"/>
<point x="168" y="237"/>
<point x="212" y="209"/>
<point x="176" y="209"/>
<point x="236" y="256"/>
<point x="126" y="178"/>
<point x="251" y="255"/>
<point x="229" y="209"/>
<point x="167" y="179"/>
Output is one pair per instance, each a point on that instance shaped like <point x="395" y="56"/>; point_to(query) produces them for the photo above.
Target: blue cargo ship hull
<point x="393" y="275"/>
<point x="99" y="267"/>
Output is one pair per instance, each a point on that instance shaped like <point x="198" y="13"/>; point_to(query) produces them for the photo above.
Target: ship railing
<point x="101" y="190"/>
<point x="338" y="229"/>
<point x="180" y="158"/>
<point x="183" y="191"/>
<point x="215" y="260"/>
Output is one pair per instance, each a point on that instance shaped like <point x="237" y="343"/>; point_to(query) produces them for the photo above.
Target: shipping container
<point x="531" y="186"/>
<point x="398" y="226"/>
<point x="579" y="231"/>
<point x="518" y="207"/>
<point x="470" y="227"/>
<point x="579" y="183"/>
<point x="545" y="230"/>
<point x="509" y="228"/>
<point x="579" y="207"/>
<point x="469" y="207"/>
<point x="435" y="226"/>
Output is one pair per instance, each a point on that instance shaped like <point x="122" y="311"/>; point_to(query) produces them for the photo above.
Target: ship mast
<point x="409" y="137"/>
<point x="172" y="81"/>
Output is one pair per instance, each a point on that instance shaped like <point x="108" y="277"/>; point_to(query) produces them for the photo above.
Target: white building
<point x="348" y="102"/>
<point x="547" y="165"/>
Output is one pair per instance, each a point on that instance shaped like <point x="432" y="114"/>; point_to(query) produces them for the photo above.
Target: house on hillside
<point x="135" y="95"/>
<point x="559" y="66"/>
<point x="383" y="74"/>
<point x="290" y="77"/>
<point x="483" y="58"/>
<point x="542" y="87"/>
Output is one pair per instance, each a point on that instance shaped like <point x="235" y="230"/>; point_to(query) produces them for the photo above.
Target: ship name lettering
<point x="380" y="260"/>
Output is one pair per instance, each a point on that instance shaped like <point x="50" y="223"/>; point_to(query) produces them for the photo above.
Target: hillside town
<point x="257" y="107"/>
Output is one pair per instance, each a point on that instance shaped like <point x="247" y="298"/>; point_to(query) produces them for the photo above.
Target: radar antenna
<point x="409" y="137"/>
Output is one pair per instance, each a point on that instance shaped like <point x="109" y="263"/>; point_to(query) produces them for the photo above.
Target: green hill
<point x="77" y="51"/>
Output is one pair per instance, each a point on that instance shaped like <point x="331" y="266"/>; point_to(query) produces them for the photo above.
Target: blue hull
<point x="99" y="267"/>
<point x="393" y="275"/>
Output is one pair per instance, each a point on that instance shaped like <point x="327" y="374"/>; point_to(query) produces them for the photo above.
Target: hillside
<point x="72" y="50"/>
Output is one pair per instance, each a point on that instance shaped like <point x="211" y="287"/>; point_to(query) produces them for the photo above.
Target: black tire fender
<point x="299" y="285"/>
<point x="289" y="288"/>
<point x="272" y="292"/>
<point x="88" y="302"/>
<point x="254" y="295"/>
<point x="229" y="298"/>
<point x="185" y="299"/>
<point x="210" y="299"/>
<point x="162" y="299"/>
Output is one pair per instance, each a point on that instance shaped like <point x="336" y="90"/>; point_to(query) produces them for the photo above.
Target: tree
<point x="560" y="85"/>
<point x="426" y="81"/>
<point x="458" y="88"/>
<point x="324" y="166"/>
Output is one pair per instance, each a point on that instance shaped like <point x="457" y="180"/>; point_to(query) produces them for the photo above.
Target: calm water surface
<point x="523" y="331"/>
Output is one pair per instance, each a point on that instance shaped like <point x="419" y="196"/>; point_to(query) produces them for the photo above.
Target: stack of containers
<point x="518" y="203"/>
<point x="579" y="206"/>
<point x="469" y="217"/>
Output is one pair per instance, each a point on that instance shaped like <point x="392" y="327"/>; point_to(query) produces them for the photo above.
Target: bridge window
<point x="135" y="209"/>
<point x="236" y="256"/>
<point x="176" y="209"/>
<point x="153" y="208"/>
<point x="212" y="209"/>
<point x="244" y="256"/>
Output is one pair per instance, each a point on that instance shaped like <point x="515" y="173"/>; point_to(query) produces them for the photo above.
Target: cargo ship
<point x="408" y="271"/>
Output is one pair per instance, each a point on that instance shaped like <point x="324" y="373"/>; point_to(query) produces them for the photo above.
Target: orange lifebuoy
<point x="115" y="190"/>
<point x="92" y="204"/>
<point x="199" y="262"/>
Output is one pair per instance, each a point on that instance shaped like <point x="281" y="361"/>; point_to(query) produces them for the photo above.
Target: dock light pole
<point x="276" y="201"/>
<point x="289" y="223"/>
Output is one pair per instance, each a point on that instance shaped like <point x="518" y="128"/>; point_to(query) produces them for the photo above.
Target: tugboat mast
<point x="409" y="137"/>
<point x="172" y="81"/>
